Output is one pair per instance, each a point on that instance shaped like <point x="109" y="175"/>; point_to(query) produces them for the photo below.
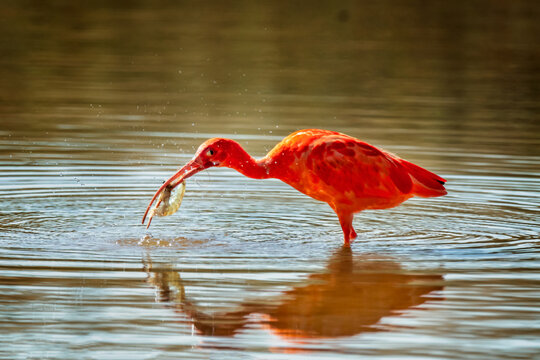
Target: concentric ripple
<point x="100" y="102"/>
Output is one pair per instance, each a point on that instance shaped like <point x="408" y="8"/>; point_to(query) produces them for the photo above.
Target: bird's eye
<point x="210" y="152"/>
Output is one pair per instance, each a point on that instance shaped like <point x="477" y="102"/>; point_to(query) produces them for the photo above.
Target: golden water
<point x="99" y="103"/>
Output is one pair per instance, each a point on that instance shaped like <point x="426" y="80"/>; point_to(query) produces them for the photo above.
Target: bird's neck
<point x="248" y="166"/>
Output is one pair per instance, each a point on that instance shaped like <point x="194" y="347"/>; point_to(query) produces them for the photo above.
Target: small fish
<point x="168" y="202"/>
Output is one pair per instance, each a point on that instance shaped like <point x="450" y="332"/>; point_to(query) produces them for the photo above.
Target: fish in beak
<point x="165" y="204"/>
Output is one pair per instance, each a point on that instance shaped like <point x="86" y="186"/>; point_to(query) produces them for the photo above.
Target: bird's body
<point x="348" y="174"/>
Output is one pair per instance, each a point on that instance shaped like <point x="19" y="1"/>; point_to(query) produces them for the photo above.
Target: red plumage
<point x="348" y="174"/>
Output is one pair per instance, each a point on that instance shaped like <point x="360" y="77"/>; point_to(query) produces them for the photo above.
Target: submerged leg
<point x="345" y="219"/>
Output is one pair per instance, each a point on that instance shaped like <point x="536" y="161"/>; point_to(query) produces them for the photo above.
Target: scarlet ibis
<point x="348" y="174"/>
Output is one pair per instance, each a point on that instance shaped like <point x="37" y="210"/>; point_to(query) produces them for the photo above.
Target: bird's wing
<point x="347" y="164"/>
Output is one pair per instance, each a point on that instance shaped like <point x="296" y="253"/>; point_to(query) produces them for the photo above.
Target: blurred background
<point x="100" y="101"/>
<point x="420" y="71"/>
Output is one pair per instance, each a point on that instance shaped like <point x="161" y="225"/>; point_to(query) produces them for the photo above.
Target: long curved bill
<point x="190" y="169"/>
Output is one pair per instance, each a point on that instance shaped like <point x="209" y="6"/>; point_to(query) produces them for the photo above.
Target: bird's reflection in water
<point x="350" y="297"/>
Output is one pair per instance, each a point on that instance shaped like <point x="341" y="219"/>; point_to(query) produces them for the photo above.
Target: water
<point x="99" y="103"/>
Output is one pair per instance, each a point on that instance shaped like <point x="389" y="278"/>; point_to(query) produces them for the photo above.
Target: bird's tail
<point x="425" y="183"/>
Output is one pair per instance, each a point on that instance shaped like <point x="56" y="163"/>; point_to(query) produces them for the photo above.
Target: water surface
<point x="99" y="103"/>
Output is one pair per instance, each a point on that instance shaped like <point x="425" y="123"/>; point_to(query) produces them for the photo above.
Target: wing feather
<point x="350" y="165"/>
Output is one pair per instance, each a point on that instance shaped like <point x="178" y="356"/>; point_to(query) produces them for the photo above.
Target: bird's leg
<point x="353" y="234"/>
<point x="345" y="219"/>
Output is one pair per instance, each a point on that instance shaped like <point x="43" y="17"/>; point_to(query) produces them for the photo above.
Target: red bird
<point x="348" y="174"/>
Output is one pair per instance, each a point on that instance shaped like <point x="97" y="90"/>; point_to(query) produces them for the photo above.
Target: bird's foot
<point x="348" y="240"/>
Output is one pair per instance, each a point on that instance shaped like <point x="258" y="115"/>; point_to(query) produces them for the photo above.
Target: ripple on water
<point x="96" y="111"/>
<point x="243" y="266"/>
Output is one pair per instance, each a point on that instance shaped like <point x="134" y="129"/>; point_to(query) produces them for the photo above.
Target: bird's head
<point x="212" y="152"/>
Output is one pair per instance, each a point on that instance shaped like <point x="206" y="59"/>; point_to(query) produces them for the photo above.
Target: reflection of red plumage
<point x="350" y="296"/>
<point x="348" y="174"/>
